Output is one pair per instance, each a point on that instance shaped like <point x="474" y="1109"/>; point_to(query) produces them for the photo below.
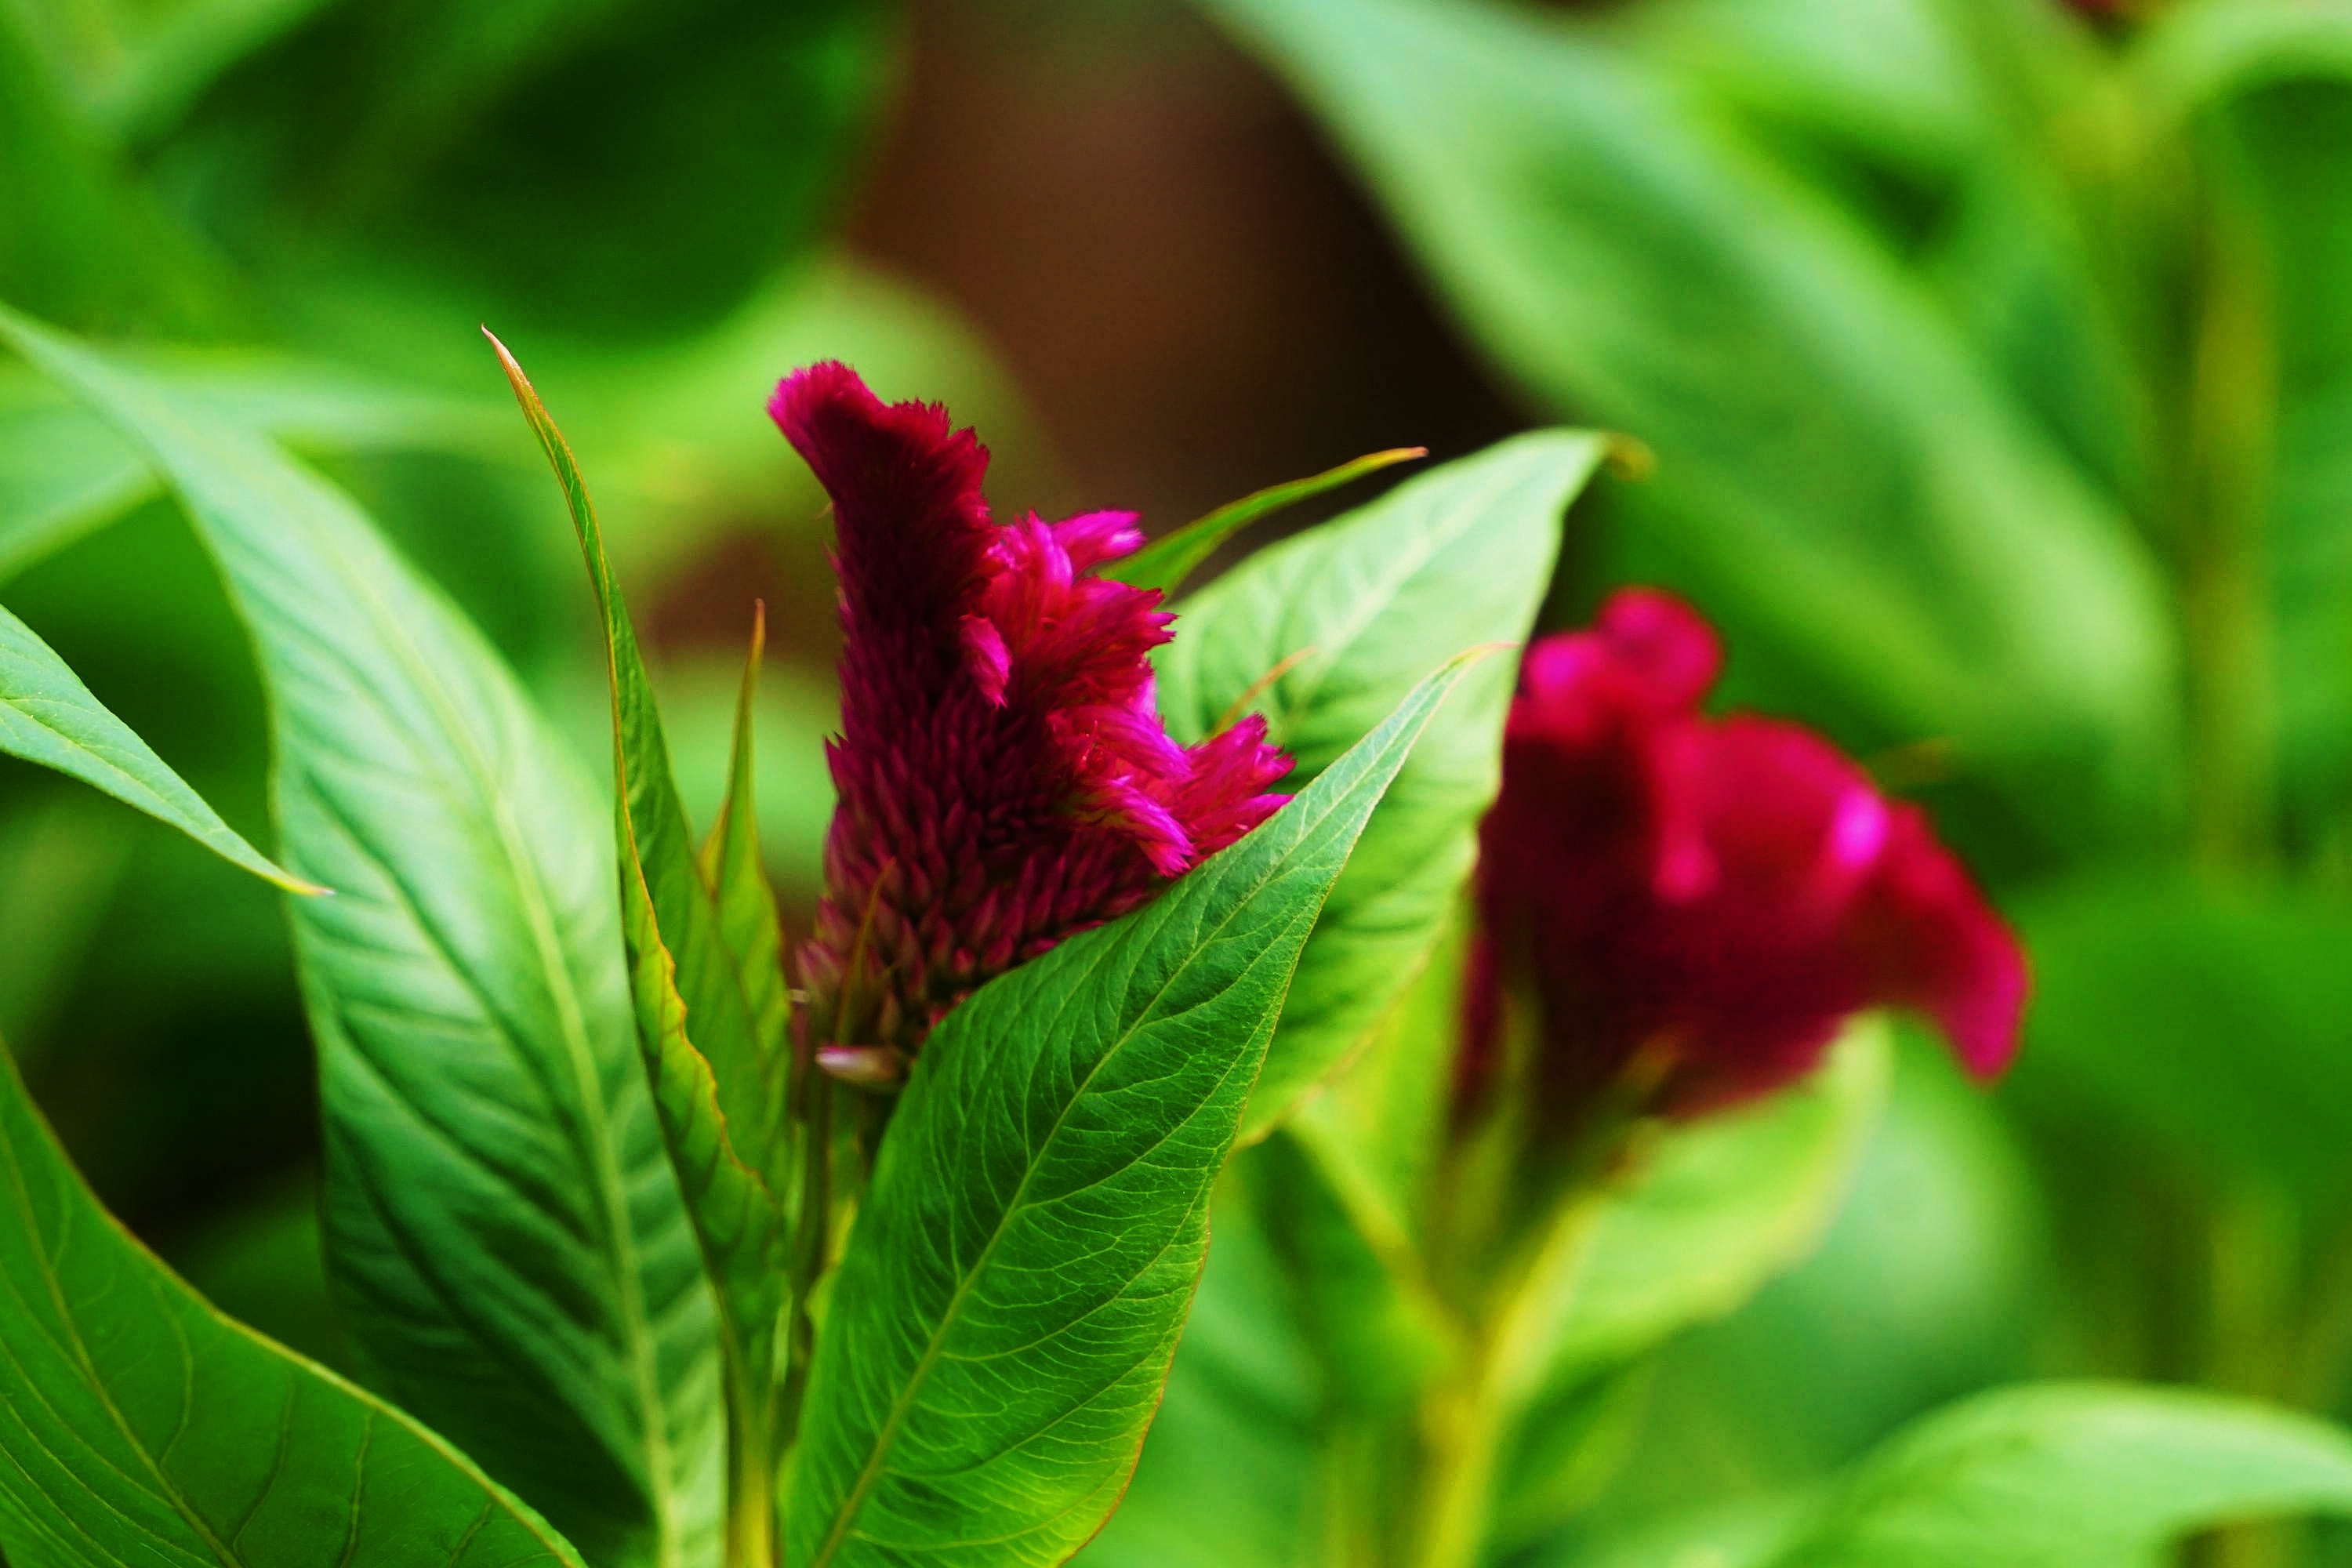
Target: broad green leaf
<point x="716" y="1055"/>
<point x="1168" y="560"/>
<point x="1001" y="1328"/>
<point x="2207" y="1020"/>
<point x="1323" y="633"/>
<point x="65" y="471"/>
<point x="507" y="1240"/>
<point x="1824" y="437"/>
<point x="2074" y="1476"/>
<point x="49" y="716"/>
<point x="138" y="1426"/>
<point x="2195" y="54"/>
<point x="1716" y="1208"/>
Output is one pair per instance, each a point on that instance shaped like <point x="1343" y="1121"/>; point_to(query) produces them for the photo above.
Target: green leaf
<point x="1323" y="633"/>
<point x="2196" y="54"/>
<point x="507" y="1240"/>
<point x="736" y="871"/>
<point x="65" y="472"/>
<point x="2074" y="1476"/>
<point x="138" y="1425"/>
<point x="1168" y="560"/>
<point x="1718" y="1206"/>
<point x="716" y="1055"/>
<point x="1001" y="1328"/>
<point x="49" y="716"/>
<point x="1824" y="436"/>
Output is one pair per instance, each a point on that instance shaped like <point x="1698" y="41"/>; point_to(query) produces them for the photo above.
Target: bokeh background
<point x="1994" y="354"/>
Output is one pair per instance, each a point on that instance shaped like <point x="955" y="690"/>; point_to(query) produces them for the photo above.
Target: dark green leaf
<point x="49" y="716"/>
<point x="507" y="1243"/>
<point x="1001" y="1329"/>
<point x="137" y="1425"/>
<point x="1323" y="633"/>
<point x="2074" y="1476"/>
<point x="1168" y="560"/>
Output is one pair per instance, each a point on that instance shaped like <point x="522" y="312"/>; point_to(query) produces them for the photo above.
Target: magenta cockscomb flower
<point x="1709" y="898"/>
<point x="1004" y="779"/>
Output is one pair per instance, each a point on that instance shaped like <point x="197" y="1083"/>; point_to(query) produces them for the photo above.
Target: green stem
<point x="1464" y="1428"/>
<point x="751" y="1474"/>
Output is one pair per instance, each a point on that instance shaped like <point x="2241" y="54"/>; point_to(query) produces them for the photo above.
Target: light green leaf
<point x="2074" y="1476"/>
<point x="138" y="1426"/>
<point x="2195" y="54"/>
<point x="49" y="716"/>
<point x="1824" y="436"/>
<point x="736" y="871"/>
<point x="1323" y="633"/>
<point x="507" y="1240"/>
<point x="65" y="472"/>
<point x="1718" y="1207"/>
<point x="1001" y="1328"/>
<point x="716" y="1057"/>
<point x="1168" y="560"/>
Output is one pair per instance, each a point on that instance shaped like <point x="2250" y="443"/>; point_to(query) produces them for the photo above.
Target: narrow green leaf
<point x="735" y="869"/>
<point x="49" y="716"/>
<point x="507" y="1240"/>
<point x="717" y="1059"/>
<point x="1001" y="1329"/>
<point x="138" y="1426"/>
<point x="2074" y="1476"/>
<point x="1168" y="560"/>
<point x="1323" y="633"/>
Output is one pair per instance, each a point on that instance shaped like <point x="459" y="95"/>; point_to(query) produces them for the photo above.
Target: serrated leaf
<point x="1001" y="1328"/>
<point x="2074" y="1476"/>
<point x="1168" y="560"/>
<point x="49" y="716"/>
<point x="138" y="1426"/>
<point x="1323" y="633"/>
<point x="717" y="1063"/>
<point x="507" y="1240"/>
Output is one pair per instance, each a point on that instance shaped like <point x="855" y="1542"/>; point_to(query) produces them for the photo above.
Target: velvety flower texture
<point x="1713" y="897"/>
<point x="1004" y="779"/>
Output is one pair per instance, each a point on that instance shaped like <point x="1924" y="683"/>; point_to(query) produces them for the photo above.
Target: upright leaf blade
<point x="1001" y="1326"/>
<point x="49" y="716"/>
<point x="1345" y="618"/>
<point x="718" y="1081"/>
<point x="736" y="871"/>
<point x="507" y="1240"/>
<point x="137" y="1425"/>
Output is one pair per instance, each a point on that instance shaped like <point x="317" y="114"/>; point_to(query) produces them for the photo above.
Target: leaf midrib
<point x="936" y="1343"/>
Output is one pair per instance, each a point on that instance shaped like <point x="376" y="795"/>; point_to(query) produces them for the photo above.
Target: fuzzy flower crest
<point x="1003" y="776"/>
<point x="1719" y="894"/>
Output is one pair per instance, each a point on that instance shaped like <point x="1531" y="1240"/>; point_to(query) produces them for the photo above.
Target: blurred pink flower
<point x="1713" y="897"/>
<point x="1004" y="779"/>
